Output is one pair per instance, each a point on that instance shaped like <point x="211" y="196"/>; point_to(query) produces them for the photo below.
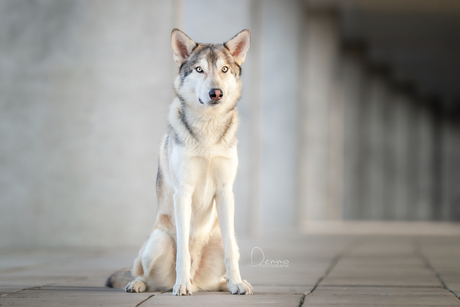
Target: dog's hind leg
<point x="154" y="267"/>
<point x="210" y="271"/>
<point x="137" y="285"/>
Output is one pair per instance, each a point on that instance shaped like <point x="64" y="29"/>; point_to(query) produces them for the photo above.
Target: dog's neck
<point x="202" y="116"/>
<point x="206" y="126"/>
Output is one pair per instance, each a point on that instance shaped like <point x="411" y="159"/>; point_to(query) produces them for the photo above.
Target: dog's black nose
<point x="216" y="94"/>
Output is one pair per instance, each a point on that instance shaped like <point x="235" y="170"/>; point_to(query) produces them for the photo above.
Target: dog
<point x="193" y="245"/>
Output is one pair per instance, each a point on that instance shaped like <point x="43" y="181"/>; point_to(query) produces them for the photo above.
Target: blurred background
<point x="350" y="112"/>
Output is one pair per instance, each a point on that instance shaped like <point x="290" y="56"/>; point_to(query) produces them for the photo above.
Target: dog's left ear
<point x="239" y="45"/>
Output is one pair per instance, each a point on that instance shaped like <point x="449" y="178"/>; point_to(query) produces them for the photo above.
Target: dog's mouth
<point x="210" y="103"/>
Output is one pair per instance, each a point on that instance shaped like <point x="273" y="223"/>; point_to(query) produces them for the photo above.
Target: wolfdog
<point x="193" y="245"/>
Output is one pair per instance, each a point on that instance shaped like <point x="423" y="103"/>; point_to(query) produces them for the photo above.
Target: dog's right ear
<point x="182" y="45"/>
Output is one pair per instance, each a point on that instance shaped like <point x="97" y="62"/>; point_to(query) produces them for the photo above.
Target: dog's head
<point x="209" y="74"/>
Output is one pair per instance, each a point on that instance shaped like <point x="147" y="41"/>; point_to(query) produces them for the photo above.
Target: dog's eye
<point x="224" y="69"/>
<point x="199" y="69"/>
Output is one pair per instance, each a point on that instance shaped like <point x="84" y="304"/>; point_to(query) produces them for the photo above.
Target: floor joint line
<point x="25" y="289"/>
<point x="429" y="266"/>
<point x="144" y="300"/>
<point x="329" y="268"/>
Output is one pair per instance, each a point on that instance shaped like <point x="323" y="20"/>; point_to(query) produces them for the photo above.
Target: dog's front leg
<point x="226" y="212"/>
<point x="182" y="210"/>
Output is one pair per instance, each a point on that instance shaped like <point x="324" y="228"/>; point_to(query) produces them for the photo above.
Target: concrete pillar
<point x="425" y="161"/>
<point x="401" y="154"/>
<point x="253" y="132"/>
<point x="390" y="153"/>
<point x="454" y="181"/>
<point x="405" y="153"/>
<point x="450" y="208"/>
<point x="352" y="82"/>
<point x="336" y="143"/>
<point x="319" y="67"/>
<point x="413" y="155"/>
<point x="373" y="185"/>
<point x="438" y="150"/>
<point x="281" y="36"/>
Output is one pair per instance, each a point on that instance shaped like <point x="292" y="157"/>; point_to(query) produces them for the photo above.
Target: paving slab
<point x="225" y="299"/>
<point x="382" y="277"/>
<point x="4" y="291"/>
<point x="382" y="260"/>
<point x="383" y="304"/>
<point x="364" y="266"/>
<point x="374" y="296"/>
<point x="445" y="264"/>
<point x="74" y="297"/>
<point x="366" y="290"/>
<point x="283" y="289"/>
<point x="291" y="276"/>
<point x="25" y="281"/>
<point x="451" y="279"/>
<point x="353" y="297"/>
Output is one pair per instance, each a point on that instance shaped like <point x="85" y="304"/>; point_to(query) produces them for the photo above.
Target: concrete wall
<point x="85" y="87"/>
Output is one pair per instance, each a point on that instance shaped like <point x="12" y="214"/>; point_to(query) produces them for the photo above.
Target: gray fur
<point x="228" y="125"/>
<point x="159" y="183"/>
<point x="183" y="118"/>
<point x="175" y="135"/>
<point x="119" y="279"/>
<point x="182" y="100"/>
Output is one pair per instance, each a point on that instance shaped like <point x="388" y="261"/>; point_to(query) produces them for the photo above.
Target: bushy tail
<point x="119" y="279"/>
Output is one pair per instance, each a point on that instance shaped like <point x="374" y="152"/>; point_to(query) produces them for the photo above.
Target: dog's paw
<point x="243" y="287"/>
<point x="182" y="289"/>
<point x="136" y="286"/>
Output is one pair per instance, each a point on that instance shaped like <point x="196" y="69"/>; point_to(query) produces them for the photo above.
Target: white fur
<point x="196" y="188"/>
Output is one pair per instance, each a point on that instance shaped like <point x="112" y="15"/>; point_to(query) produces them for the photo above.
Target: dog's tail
<point x="119" y="279"/>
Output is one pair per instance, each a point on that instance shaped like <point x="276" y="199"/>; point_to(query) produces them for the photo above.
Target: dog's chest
<point x="205" y="181"/>
<point x="203" y="195"/>
<point x="211" y="151"/>
<point x="209" y="175"/>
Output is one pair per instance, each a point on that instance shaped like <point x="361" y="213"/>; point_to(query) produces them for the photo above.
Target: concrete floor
<point x="323" y="270"/>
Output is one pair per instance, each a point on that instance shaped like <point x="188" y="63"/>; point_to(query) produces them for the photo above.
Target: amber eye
<point x="224" y="69"/>
<point x="199" y="69"/>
